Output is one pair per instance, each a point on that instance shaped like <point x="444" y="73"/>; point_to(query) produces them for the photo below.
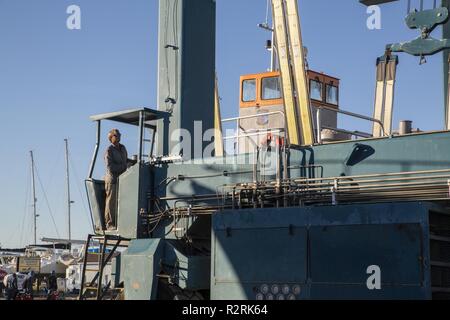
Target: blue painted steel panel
<point x="287" y="247"/>
<point x="256" y="248"/>
<point x="141" y="265"/>
<point x="428" y="151"/>
<point x="394" y="248"/>
<point x="188" y="271"/>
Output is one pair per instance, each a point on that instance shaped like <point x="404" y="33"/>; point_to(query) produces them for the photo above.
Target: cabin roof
<point x="131" y="116"/>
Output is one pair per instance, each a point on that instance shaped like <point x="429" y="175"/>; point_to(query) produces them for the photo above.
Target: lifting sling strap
<point x="384" y="95"/>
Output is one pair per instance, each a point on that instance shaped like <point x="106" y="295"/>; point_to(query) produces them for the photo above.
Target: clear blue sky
<point x="52" y="79"/>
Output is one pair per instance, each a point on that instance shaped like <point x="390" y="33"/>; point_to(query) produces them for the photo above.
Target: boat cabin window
<point x="332" y="94"/>
<point x="271" y="88"/>
<point x="316" y="89"/>
<point x="249" y="90"/>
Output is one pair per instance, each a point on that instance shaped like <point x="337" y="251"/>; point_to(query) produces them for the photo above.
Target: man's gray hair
<point x="113" y="132"/>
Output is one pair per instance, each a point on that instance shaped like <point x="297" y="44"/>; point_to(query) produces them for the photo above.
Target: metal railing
<point x="254" y="132"/>
<point x="319" y="126"/>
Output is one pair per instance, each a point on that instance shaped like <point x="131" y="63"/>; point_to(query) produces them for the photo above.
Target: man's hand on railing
<point x="131" y="162"/>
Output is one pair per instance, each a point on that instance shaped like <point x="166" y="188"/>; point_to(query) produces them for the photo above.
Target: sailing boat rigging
<point x="33" y="182"/>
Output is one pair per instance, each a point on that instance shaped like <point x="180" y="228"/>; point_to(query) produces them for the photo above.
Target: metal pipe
<point x="411" y="194"/>
<point x="334" y="190"/>
<point x="353" y="179"/>
<point x="252" y="116"/>
<point x="278" y="172"/>
<point x="324" y="190"/>
<point x="325" y="187"/>
<point x="359" y="186"/>
<point x="381" y="175"/>
<point x="348" y="181"/>
<point x="285" y="173"/>
<point x="331" y="193"/>
<point x="233" y="198"/>
<point x="255" y="167"/>
<point x="252" y="135"/>
<point x="380" y="193"/>
<point x="448" y="182"/>
<point x="353" y="133"/>
<point x="324" y="197"/>
<point x="355" y="115"/>
<point x="191" y="198"/>
<point x="373" y="188"/>
<point x="393" y="179"/>
<point x="152" y="148"/>
<point x="386" y="197"/>
<point x="397" y="200"/>
<point x="319" y="126"/>
<point x="97" y="146"/>
<point x="405" y="186"/>
<point x="361" y="189"/>
<point x="238" y="141"/>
